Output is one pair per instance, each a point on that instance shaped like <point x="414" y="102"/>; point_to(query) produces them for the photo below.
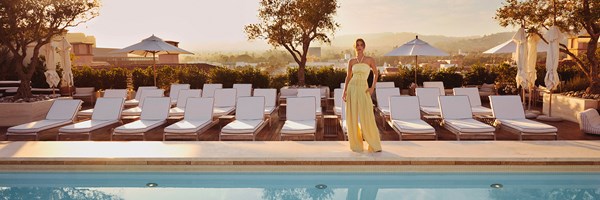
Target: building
<point x="578" y="45"/>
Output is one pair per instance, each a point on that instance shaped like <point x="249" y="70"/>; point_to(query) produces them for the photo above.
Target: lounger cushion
<point x="385" y="110"/>
<point x="37" y="126"/>
<point x="87" y="112"/>
<point x="527" y="126"/>
<point x="242" y="126"/>
<point x="344" y="126"/>
<point x="413" y="126"/>
<point x="431" y="110"/>
<point x="269" y="110"/>
<point x="187" y="126"/>
<point x="135" y="111"/>
<point x="480" y="110"/>
<point x="177" y="111"/>
<point x="139" y="126"/>
<point x="86" y="126"/>
<point x="132" y="102"/>
<point x="337" y="110"/>
<point x="469" y="126"/>
<point x="218" y="111"/>
<point x="299" y="127"/>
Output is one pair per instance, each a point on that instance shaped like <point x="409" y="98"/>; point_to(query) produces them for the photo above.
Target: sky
<point x="209" y="25"/>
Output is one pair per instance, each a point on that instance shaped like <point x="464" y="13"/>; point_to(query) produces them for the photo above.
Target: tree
<point x="34" y="23"/>
<point x="294" y="24"/>
<point x="571" y="16"/>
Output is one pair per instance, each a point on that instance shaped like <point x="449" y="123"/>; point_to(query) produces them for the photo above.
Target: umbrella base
<point x="549" y="119"/>
<point x="531" y="114"/>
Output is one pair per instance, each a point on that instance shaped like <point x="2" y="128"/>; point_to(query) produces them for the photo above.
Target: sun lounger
<point x="182" y="98"/>
<point x="474" y="99"/>
<point x="458" y="119"/>
<point x="120" y="93"/>
<point x="383" y="102"/>
<point x="107" y="112"/>
<point x="301" y="118"/>
<point x="385" y="85"/>
<point x="312" y="92"/>
<point x="337" y="101"/>
<point x="343" y="122"/>
<point x="85" y="93"/>
<point x="61" y="112"/>
<point x="249" y="120"/>
<point x="435" y="84"/>
<point x="271" y="107"/>
<point x="243" y="90"/>
<point x="510" y="116"/>
<point x="138" y="94"/>
<point x="224" y="101"/>
<point x="208" y="90"/>
<point x="197" y="119"/>
<point x="428" y="100"/>
<point x="155" y="111"/>
<point x="589" y="121"/>
<point x="405" y="119"/>
<point x="146" y="93"/>
<point x="174" y="91"/>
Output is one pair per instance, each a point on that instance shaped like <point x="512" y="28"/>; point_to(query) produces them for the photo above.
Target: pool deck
<point x="208" y="156"/>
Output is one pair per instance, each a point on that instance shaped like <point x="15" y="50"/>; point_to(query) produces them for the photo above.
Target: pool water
<point x="299" y="186"/>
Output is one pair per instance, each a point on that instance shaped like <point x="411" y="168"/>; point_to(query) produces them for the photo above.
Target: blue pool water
<point x="300" y="186"/>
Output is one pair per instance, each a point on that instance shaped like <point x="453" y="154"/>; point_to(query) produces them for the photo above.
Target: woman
<point x="357" y="95"/>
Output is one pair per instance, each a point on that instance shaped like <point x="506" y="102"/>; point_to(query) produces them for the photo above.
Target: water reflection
<point x="54" y="193"/>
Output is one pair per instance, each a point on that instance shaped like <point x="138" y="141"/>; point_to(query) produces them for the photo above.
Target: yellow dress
<point x="359" y="106"/>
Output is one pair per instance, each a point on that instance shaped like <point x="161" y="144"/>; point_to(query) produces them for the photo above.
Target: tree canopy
<point x="35" y="22"/>
<point x="571" y="16"/>
<point x="293" y="25"/>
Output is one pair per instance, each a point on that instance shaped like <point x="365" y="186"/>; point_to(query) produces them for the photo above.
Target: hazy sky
<point x="204" y="25"/>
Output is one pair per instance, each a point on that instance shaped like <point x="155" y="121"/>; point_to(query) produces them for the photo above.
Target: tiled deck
<point x="575" y="151"/>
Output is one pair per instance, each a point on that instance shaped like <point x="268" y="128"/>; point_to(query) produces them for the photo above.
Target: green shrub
<point x="450" y="78"/>
<point x="193" y="76"/>
<point x="397" y="78"/>
<point x="330" y="77"/>
<point x="104" y="79"/>
<point x="165" y="76"/>
<point x="142" y="77"/>
<point x="223" y="75"/>
<point x="279" y="81"/>
<point x="479" y="75"/>
<point x="505" y="73"/>
<point x="253" y="75"/>
<point x="86" y="77"/>
<point x="409" y="76"/>
<point x="118" y="77"/>
<point x="577" y="83"/>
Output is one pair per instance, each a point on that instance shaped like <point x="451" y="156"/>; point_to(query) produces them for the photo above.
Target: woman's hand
<point x="370" y="90"/>
<point x="344" y="96"/>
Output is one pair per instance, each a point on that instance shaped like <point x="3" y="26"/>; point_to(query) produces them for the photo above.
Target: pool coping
<point x="213" y="156"/>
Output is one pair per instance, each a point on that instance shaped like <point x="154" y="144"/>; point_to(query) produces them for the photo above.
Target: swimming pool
<point x="364" y="186"/>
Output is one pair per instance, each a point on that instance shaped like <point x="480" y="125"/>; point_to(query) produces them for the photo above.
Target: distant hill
<point x="381" y="43"/>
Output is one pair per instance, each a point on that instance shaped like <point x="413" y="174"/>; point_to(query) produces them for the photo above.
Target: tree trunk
<point x="301" y="72"/>
<point x="24" y="90"/>
<point x="594" y="85"/>
<point x="594" y="76"/>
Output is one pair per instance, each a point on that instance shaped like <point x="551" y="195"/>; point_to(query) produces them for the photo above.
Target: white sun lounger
<point x="249" y="120"/>
<point x="301" y="118"/>
<point x="197" y="119"/>
<point x="271" y="107"/>
<point x="146" y="93"/>
<point x="138" y="94"/>
<point x="589" y="121"/>
<point x="458" y="119"/>
<point x="435" y="84"/>
<point x="208" y="89"/>
<point x="224" y="101"/>
<point x="120" y="93"/>
<point x="510" y="116"/>
<point x="107" y="112"/>
<point x="337" y="101"/>
<point x="182" y="98"/>
<point x="61" y="112"/>
<point x="174" y="91"/>
<point x="243" y="89"/>
<point x="155" y="111"/>
<point x="405" y="119"/>
<point x="428" y="100"/>
<point x="312" y="92"/>
<point x="474" y="99"/>
<point x="385" y="85"/>
<point x="383" y="102"/>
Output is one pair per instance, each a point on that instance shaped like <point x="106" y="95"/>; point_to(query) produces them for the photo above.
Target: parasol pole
<point x="154" y="66"/>
<point x="416" y="65"/>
